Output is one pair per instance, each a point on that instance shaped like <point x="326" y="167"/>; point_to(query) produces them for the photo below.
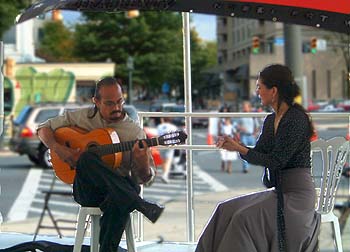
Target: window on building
<point x="233" y="55"/>
<point x="269" y="45"/>
<point x="220" y="60"/>
<point x="224" y="56"/>
<point x="313" y="81"/>
<point x="249" y="31"/>
<point x="224" y="21"/>
<point x="243" y="33"/>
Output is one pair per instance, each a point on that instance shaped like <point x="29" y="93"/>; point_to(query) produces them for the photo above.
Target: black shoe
<point x="151" y="210"/>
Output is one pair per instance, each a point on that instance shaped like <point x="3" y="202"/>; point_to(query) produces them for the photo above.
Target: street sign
<point x="279" y="41"/>
<point x="130" y="63"/>
<point x="321" y="45"/>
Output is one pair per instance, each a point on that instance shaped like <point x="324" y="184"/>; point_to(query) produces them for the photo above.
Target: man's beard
<point x="116" y="115"/>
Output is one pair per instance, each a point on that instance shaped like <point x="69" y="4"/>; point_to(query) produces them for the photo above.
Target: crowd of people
<point x="244" y="129"/>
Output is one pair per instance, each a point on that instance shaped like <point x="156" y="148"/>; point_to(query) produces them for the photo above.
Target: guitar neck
<point x="106" y="149"/>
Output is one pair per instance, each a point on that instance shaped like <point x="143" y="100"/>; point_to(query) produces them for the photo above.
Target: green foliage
<point x="153" y="39"/>
<point x="203" y="57"/>
<point x="8" y="12"/>
<point x="57" y="43"/>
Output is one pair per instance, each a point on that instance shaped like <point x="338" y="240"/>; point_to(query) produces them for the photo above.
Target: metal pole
<point x="130" y="86"/>
<point x="130" y="67"/>
<point x="2" y="115"/>
<point x="188" y="108"/>
<point x="293" y="55"/>
<point x="1" y="100"/>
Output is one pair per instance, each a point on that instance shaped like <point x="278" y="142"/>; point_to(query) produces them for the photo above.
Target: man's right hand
<point x="66" y="154"/>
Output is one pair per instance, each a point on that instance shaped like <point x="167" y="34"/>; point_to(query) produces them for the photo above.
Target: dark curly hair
<point x="281" y="77"/>
<point x="106" y="81"/>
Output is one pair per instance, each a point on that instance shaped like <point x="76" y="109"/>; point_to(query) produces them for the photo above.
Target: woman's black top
<point x="288" y="148"/>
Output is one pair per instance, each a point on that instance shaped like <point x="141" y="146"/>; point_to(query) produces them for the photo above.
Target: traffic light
<point x="56" y="15"/>
<point x="132" y="13"/>
<point x="256" y="45"/>
<point x="313" y="45"/>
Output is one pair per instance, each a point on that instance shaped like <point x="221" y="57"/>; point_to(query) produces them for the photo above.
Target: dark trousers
<point x="96" y="185"/>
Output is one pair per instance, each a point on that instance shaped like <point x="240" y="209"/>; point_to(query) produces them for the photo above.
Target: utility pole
<point x="293" y="57"/>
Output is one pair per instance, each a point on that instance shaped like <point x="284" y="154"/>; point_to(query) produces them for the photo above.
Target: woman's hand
<point x="228" y="143"/>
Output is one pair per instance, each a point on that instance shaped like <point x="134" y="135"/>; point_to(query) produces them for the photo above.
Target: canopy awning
<point x="326" y="14"/>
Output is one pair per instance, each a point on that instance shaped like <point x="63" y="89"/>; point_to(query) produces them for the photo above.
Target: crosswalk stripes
<point x="158" y="192"/>
<point x="59" y="205"/>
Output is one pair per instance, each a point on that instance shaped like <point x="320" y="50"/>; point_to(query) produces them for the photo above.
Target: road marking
<point x="21" y="206"/>
<point x="215" y="185"/>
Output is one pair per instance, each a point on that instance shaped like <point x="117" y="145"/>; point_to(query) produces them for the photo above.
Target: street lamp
<point x="130" y="67"/>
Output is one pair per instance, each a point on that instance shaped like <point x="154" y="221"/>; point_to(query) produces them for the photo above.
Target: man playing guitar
<point x="116" y="192"/>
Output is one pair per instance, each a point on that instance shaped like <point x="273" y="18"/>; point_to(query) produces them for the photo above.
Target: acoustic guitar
<point x="105" y="142"/>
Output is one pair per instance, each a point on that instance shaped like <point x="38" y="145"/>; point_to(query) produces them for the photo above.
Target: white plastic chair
<point x="95" y="214"/>
<point x="326" y="178"/>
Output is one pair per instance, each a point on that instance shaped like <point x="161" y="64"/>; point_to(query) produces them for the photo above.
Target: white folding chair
<point x="326" y="178"/>
<point x="95" y="214"/>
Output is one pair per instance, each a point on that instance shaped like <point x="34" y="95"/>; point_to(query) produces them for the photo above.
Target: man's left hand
<point x="141" y="158"/>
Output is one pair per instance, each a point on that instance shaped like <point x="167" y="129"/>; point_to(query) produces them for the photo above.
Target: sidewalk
<point x="171" y="227"/>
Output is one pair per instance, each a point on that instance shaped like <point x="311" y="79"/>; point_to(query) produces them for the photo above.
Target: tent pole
<point x="2" y="86"/>
<point x="188" y="108"/>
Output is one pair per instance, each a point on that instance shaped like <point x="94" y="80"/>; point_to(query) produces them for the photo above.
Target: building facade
<point x="325" y="72"/>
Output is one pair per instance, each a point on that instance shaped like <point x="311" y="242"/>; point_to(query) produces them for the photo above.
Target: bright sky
<point x="205" y="24"/>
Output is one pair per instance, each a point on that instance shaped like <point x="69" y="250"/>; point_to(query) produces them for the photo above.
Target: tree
<point x="57" y="44"/>
<point x="154" y="40"/>
<point x="203" y="57"/>
<point x="8" y="12"/>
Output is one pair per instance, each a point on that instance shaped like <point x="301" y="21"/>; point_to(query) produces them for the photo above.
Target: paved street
<point x="62" y="205"/>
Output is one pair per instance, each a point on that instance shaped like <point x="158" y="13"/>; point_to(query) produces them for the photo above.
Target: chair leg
<point x="130" y="242"/>
<point x="79" y="235"/>
<point x="337" y="235"/>
<point x="41" y="216"/>
<point x="95" y="233"/>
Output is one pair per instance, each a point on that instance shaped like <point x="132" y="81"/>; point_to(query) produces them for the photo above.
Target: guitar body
<point x="75" y="138"/>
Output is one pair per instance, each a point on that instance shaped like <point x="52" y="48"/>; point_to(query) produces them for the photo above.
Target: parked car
<point x="330" y="108"/>
<point x="24" y="139"/>
<point x="169" y="107"/>
<point x="344" y="104"/>
<point x="313" y="106"/>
